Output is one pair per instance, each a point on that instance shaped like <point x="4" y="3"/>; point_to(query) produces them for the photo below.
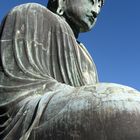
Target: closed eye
<point x="92" y="1"/>
<point x="99" y="3"/>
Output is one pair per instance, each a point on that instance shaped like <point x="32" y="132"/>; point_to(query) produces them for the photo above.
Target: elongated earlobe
<point x="61" y="7"/>
<point x="60" y="11"/>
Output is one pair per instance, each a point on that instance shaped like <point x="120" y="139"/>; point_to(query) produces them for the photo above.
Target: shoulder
<point x="32" y="15"/>
<point x="43" y="13"/>
<point x="32" y="9"/>
<point x="28" y="6"/>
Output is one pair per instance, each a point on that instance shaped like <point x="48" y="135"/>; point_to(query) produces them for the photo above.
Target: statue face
<point x="83" y="13"/>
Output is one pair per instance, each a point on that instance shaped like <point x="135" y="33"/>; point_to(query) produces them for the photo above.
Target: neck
<point x="73" y="26"/>
<point x="75" y="29"/>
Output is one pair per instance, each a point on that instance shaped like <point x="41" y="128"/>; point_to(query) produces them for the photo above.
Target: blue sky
<point x="114" y="42"/>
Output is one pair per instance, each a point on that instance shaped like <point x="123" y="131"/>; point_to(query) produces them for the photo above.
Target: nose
<point x="94" y="14"/>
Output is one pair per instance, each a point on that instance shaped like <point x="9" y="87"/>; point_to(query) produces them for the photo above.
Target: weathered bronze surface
<point x="49" y="88"/>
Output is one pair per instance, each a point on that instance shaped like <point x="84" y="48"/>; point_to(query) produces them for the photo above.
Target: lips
<point x="91" y="18"/>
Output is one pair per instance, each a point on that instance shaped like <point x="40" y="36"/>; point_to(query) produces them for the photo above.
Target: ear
<point x="61" y="7"/>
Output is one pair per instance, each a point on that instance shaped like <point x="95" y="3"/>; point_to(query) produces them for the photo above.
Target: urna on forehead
<point x="55" y="1"/>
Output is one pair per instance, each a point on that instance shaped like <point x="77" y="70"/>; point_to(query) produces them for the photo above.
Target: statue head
<point x="81" y="13"/>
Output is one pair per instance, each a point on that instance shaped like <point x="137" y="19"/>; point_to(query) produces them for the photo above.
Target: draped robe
<point x="38" y="51"/>
<point x="49" y="85"/>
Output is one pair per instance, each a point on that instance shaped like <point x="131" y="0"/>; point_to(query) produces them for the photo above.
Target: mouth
<point x="91" y="19"/>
